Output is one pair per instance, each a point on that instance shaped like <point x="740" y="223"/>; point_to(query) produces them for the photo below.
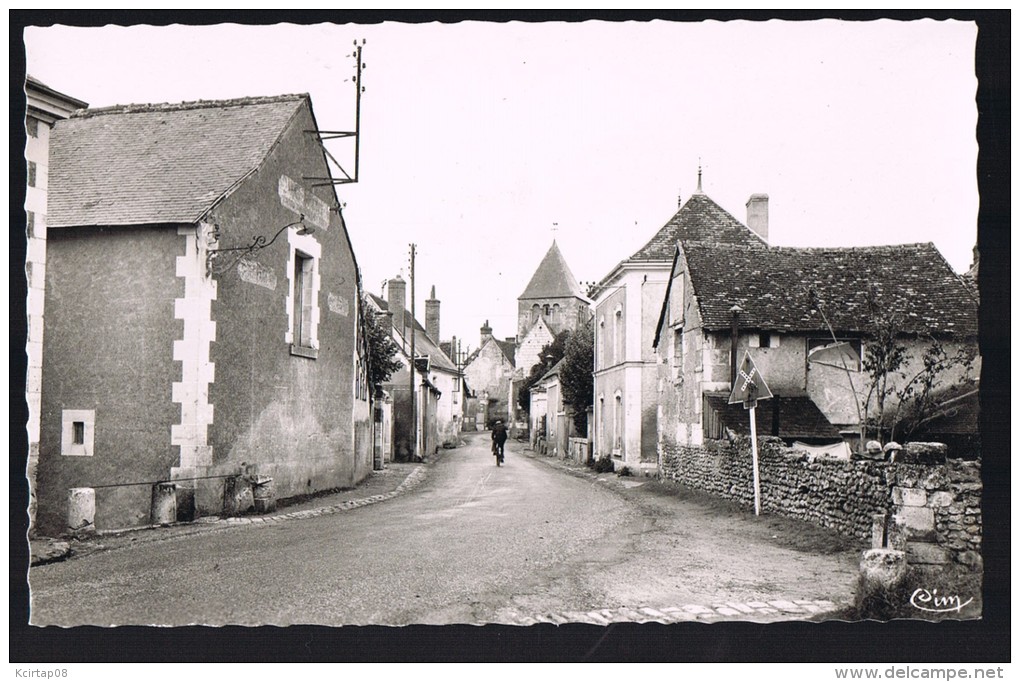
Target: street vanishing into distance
<point x="474" y="543"/>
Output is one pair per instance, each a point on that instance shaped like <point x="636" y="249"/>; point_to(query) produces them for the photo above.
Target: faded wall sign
<point x="338" y="304"/>
<point x="294" y="197"/>
<point x="256" y="273"/>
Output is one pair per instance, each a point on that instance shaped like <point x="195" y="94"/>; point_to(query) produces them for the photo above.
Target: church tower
<point x="553" y="295"/>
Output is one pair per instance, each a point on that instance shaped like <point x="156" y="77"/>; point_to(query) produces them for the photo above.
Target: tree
<point x="551" y="353"/>
<point x="576" y="378"/>
<point x="382" y="350"/>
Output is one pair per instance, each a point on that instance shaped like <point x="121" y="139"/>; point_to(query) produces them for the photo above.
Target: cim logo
<point x="932" y="602"/>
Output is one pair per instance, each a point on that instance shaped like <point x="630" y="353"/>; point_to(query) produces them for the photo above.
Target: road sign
<point x="749" y="385"/>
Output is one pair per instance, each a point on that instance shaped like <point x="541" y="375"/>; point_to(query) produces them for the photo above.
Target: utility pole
<point x="414" y="415"/>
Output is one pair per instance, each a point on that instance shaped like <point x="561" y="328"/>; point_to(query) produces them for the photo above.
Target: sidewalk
<point x="378" y="486"/>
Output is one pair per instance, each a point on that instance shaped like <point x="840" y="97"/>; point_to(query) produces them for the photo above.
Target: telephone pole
<point x="414" y="414"/>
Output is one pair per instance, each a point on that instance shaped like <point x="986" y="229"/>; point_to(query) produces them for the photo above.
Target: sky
<point x="483" y="142"/>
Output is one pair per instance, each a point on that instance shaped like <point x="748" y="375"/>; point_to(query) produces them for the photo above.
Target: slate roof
<point x="158" y="163"/>
<point x="799" y="417"/>
<point x="773" y="286"/>
<point x="423" y="343"/>
<point x="699" y="220"/>
<point x="552" y="278"/>
<point x="508" y="348"/>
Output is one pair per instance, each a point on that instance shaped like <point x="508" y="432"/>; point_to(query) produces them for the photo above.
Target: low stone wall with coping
<point x="932" y="511"/>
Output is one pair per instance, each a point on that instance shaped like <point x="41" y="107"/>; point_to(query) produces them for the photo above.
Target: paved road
<point x="474" y="543"/>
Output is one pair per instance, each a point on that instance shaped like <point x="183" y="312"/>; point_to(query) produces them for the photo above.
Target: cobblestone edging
<point x="412" y="480"/>
<point x="760" y="611"/>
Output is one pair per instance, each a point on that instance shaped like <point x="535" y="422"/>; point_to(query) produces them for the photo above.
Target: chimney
<point x="511" y="339"/>
<point x="486" y="333"/>
<point x="396" y="296"/>
<point x="758" y="215"/>
<point x="432" y="316"/>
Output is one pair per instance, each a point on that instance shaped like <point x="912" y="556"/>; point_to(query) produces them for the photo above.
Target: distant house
<point x="44" y="107"/>
<point x="489" y="370"/>
<point x="438" y="394"/>
<point x="201" y="309"/>
<point x="627" y="305"/>
<point x="549" y="415"/>
<point x="781" y="304"/>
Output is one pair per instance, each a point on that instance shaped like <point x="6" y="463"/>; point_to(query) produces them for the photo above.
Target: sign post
<point x="749" y="387"/>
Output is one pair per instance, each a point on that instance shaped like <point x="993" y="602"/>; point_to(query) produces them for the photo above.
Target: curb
<point x="49" y="550"/>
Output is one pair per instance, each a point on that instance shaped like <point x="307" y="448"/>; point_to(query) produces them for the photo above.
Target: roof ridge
<point x="144" y="108"/>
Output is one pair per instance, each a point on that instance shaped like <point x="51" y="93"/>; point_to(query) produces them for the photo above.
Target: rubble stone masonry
<point x="934" y="510"/>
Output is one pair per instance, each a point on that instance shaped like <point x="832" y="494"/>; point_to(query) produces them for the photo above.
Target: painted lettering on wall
<point x="256" y="273"/>
<point x="338" y="304"/>
<point x="294" y="197"/>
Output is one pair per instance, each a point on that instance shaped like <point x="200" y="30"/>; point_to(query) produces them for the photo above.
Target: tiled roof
<point x="158" y="163"/>
<point x="699" y="220"/>
<point x="509" y="349"/>
<point x="911" y="283"/>
<point x="552" y="278"/>
<point x="423" y="343"/>
<point x="799" y="417"/>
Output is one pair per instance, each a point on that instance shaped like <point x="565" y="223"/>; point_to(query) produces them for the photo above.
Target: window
<point x="31" y="173"/>
<point x="618" y="354"/>
<point x="303" y="268"/>
<point x="31" y="223"/>
<point x="545" y="310"/>
<point x="600" y="345"/>
<point x="678" y="354"/>
<point x="618" y="425"/>
<point x="536" y="312"/>
<point x="32" y="127"/>
<point x="77" y="433"/>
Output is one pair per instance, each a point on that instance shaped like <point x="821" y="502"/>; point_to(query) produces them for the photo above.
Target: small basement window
<point x="77" y="433"/>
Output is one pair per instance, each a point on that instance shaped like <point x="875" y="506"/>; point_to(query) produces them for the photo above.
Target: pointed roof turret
<point x="552" y="278"/>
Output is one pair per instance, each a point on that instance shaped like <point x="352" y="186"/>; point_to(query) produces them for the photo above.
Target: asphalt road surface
<point x="473" y="544"/>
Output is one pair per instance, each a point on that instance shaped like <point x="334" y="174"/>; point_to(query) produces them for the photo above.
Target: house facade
<point x="783" y="306"/>
<point x="627" y="305"/>
<point x="44" y="107"/>
<point x="438" y="405"/>
<point x="489" y="371"/>
<point x="202" y="308"/>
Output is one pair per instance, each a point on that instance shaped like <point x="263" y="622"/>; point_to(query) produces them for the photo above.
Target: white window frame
<point x="307" y="247"/>
<point x="68" y="447"/>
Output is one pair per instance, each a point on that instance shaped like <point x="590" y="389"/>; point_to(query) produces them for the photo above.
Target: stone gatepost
<point x="81" y="511"/>
<point x="912" y="527"/>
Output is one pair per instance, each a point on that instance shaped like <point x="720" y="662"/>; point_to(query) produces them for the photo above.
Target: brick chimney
<point x="396" y="297"/>
<point x="486" y="333"/>
<point x="432" y="316"/>
<point x="758" y="215"/>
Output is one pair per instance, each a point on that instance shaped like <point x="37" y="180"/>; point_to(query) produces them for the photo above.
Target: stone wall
<point x="933" y="510"/>
<point x="936" y="512"/>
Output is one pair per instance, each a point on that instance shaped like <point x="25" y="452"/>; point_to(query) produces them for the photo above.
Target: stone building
<point x="489" y="371"/>
<point x="202" y="309"/>
<point x="438" y="395"/>
<point x="627" y="305"/>
<point x="783" y="306"/>
<point x="44" y="107"/>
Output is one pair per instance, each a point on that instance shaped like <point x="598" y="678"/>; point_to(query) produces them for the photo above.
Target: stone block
<point x="882" y="569"/>
<point x="909" y="497"/>
<point x="920" y="519"/>
<point x="878" y="531"/>
<point x="925" y="453"/>
<point x="81" y="510"/>
<point x="940" y="498"/>
<point x="926" y="553"/>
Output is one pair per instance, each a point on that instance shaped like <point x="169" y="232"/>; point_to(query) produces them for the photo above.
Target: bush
<point x="625" y="471"/>
<point x="603" y="465"/>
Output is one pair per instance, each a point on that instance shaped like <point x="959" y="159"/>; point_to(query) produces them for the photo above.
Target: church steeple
<point x="553" y="294"/>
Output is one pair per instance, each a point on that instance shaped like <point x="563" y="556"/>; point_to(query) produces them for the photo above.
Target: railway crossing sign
<point x="749" y="385"/>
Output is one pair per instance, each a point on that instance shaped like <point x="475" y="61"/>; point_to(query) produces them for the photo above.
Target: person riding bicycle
<point x="498" y="441"/>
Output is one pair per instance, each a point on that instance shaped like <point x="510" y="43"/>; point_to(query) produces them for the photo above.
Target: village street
<point x="473" y="544"/>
